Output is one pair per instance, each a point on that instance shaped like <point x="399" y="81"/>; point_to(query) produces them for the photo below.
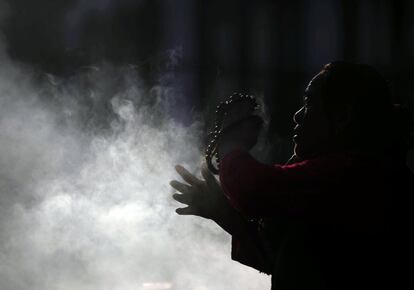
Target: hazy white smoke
<point x="84" y="195"/>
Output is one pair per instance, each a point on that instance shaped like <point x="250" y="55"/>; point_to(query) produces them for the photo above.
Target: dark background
<point x="269" y="47"/>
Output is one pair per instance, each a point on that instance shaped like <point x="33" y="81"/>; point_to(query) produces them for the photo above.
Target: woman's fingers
<point x="186" y="211"/>
<point x="181" y="187"/>
<point x="209" y="177"/>
<point x="187" y="176"/>
<point x="183" y="198"/>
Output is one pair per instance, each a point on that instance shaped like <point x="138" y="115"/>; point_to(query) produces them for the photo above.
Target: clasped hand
<point x="241" y="130"/>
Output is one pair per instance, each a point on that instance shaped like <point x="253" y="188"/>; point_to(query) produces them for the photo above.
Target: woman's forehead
<point x="315" y="82"/>
<point x="313" y="89"/>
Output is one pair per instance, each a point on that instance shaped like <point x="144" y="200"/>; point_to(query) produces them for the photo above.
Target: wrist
<point x="226" y="148"/>
<point x="231" y="221"/>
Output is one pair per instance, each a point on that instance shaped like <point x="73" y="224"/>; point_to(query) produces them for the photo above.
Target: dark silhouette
<point x="339" y="215"/>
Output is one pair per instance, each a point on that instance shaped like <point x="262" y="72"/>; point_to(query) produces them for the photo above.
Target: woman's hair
<point x="375" y="122"/>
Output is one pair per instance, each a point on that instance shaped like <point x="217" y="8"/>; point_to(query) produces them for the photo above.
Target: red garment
<point x="339" y="212"/>
<point x="258" y="190"/>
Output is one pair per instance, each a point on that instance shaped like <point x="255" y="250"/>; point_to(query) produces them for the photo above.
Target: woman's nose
<point x="298" y="116"/>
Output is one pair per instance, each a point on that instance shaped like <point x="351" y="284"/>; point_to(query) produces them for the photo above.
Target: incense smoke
<point x="85" y="203"/>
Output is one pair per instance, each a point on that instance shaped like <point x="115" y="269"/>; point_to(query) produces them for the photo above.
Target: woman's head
<point x="348" y="107"/>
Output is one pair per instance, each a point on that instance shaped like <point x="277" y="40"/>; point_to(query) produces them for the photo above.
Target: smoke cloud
<point x="85" y="203"/>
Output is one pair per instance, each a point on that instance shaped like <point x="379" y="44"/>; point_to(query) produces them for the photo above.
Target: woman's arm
<point x="261" y="190"/>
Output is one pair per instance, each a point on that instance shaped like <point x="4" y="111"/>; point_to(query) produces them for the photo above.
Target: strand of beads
<point x="221" y="112"/>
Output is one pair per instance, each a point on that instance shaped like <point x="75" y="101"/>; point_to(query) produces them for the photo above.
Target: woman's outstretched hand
<point x="203" y="198"/>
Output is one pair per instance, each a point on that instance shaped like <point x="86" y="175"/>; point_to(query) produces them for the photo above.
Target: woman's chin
<point x="297" y="150"/>
<point x="301" y="152"/>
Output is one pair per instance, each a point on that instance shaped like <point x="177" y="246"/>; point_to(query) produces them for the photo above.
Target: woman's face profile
<point x="312" y="133"/>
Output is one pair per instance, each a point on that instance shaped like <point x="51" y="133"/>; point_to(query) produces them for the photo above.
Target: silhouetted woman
<point x="340" y="216"/>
